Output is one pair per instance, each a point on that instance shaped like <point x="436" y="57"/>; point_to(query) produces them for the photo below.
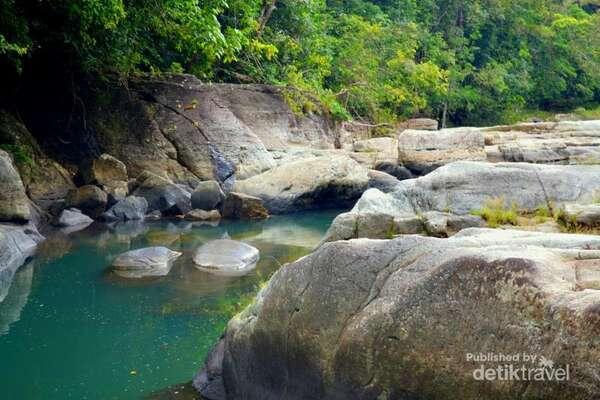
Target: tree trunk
<point x="265" y="15"/>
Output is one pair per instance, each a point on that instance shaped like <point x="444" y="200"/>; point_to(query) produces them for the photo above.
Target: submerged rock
<point x="202" y="215"/>
<point x="72" y="217"/>
<point x="147" y="262"/>
<point x="241" y="206"/>
<point x="90" y="199"/>
<point x="131" y="208"/>
<point x="14" y="204"/>
<point x="226" y="257"/>
<point x="310" y="183"/>
<point x="368" y="319"/>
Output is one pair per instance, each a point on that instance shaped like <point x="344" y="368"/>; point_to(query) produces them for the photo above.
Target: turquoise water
<point x="69" y="329"/>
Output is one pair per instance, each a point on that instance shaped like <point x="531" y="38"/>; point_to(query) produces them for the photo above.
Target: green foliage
<point x="475" y="62"/>
<point x="22" y="155"/>
<point x="496" y="213"/>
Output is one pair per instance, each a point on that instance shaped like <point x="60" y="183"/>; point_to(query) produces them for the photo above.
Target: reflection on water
<point x="86" y="333"/>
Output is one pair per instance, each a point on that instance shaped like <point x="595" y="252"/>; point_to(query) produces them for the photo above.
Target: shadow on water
<point x="70" y="328"/>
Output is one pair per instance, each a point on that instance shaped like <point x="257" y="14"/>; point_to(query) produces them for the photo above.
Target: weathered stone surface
<point x="147" y="262"/>
<point x="307" y="184"/>
<point x="242" y="206"/>
<point x="207" y="196"/>
<point x="369" y="319"/>
<point x="383" y="148"/>
<point x="424" y="151"/>
<point x="421" y="124"/>
<point x="398" y="171"/>
<point x="202" y="215"/>
<point x="563" y="142"/>
<point x="72" y="217"/>
<point x="462" y="187"/>
<point x="129" y="209"/>
<point x="104" y="170"/>
<point x="382" y="181"/>
<point x="226" y="257"/>
<point x="163" y="195"/>
<point x="14" y="204"/>
<point x="586" y="215"/>
<point x="90" y="199"/>
<point x="17" y="243"/>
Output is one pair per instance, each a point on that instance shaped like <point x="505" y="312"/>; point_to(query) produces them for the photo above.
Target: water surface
<point x="69" y="329"/>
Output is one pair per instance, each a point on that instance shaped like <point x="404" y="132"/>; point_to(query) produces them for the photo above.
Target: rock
<point x="14" y="204"/>
<point x="147" y="262"/>
<point x="586" y="215"/>
<point x="163" y="195"/>
<point x="384" y="148"/>
<point x="424" y="151"/>
<point x="308" y="184"/>
<point x="130" y="209"/>
<point x="462" y="187"/>
<point x="241" y="206"/>
<point x="202" y="215"/>
<point x="398" y="171"/>
<point x="369" y="319"/>
<point x="17" y="243"/>
<point x="226" y="257"/>
<point x="207" y="196"/>
<point x="104" y="170"/>
<point x="72" y="217"/>
<point x="90" y="199"/>
<point x="382" y="181"/>
<point x="421" y="124"/>
<point x="441" y="224"/>
<point x="154" y="216"/>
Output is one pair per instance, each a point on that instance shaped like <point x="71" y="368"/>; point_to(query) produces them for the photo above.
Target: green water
<point x="69" y="329"/>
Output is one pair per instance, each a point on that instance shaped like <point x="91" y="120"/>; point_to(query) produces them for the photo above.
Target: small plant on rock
<point x="496" y="213"/>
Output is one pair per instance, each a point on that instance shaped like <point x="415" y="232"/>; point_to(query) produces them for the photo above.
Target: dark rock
<point x="241" y="206"/>
<point x="163" y="195"/>
<point x="131" y="208"/>
<point x="400" y="172"/>
<point x="207" y="196"/>
<point x="90" y="199"/>
<point x="382" y="181"/>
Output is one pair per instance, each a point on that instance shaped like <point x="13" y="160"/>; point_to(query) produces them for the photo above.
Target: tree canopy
<point x="474" y="62"/>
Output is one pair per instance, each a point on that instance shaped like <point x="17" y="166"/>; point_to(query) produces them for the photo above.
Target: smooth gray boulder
<point x="396" y="319"/>
<point x="131" y="208"/>
<point x="163" y="195"/>
<point x="315" y="182"/>
<point x="72" y="217"/>
<point x="146" y="262"/>
<point x="424" y="151"/>
<point x="462" y="187"/>
<point x="207" y="196"/>
<point x="382" y="181"/>
<point x="14" y="204"/>
<point x="226" y="257"/>
<point x="587" y="215"/>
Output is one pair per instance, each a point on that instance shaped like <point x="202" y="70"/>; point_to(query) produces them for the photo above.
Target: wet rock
<point x="72" y="217"/>
<point x="147" y="262"/>
<point x="317" y="182"/>
<point x="14" y="204"/>
<point x="163" y="195"/>
<point x="424" y="151"/>
<point x="90" y="199"/>
<point x="416" y="301"/>
<point x="130" y="209"/>
<point x="241" y="206"/>
<point x="202" y="215"/>
<point x="226" y="257"/>
<point x="207" y="196"/>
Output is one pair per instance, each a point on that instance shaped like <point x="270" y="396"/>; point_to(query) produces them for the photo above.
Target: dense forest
<point x="465" y="62"/>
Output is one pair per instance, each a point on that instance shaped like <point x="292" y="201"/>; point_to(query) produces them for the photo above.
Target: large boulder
<point x="146" y="262"/>
<point x="412" y="317"/>
<point x="14" y="204"/>
<point x="90" y="199"/>
<point x="242" y="206"/>
<point x="131" y="208"/>
<point x="383" y="148"/>
<point x="316" y="182"/>
<point x="163" y="195"/>
<point x="421" y="124"/>
<point x="104" y="170"/>
<point x="463" y="187"/>
<point x="585" y="215"/>
<point x="226" y="257"/>
<point x="424" y="151"/>
<point x="207" y="196"/>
